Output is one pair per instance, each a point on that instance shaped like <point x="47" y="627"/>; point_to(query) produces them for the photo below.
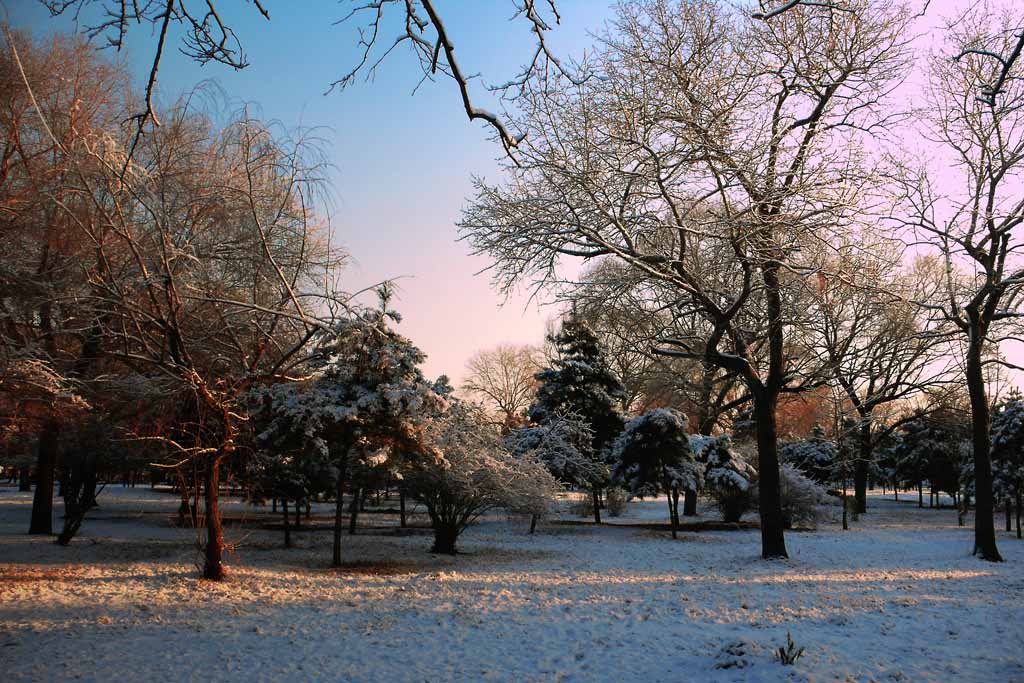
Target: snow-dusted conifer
<point x="580" y="382"/>
<point x="653" y="454"/>
<point x="362" y="392"/>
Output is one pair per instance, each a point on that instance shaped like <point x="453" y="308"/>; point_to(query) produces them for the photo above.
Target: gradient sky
<point x="402" y="162"/>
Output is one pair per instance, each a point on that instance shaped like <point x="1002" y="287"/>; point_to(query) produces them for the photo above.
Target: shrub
<point x="802" y="499"/>
<point x="618" y="501"/>
<point x="582" y="506"/>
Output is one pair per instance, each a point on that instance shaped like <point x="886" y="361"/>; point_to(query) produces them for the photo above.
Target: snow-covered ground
<point x="897" y="598"/>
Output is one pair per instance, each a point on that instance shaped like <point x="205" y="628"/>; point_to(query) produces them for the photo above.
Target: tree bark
<point x="46" y="463"/>
<point x="690" y="503"/>
<point x="597" y="505"/>
<point x="445" y="536"/>
<point x="773" y="542"/>
<point x="673" y="511"/>
<point x="353" y="510"/>
<point x="401" y="508"/>
<point x="213" y="569"/>
<point x="860" y="469"/>
<point x="287" y="526"/>
<point x="1020" y="501"/>
<point x="984" y="525"/>
<point x="339" y="512"/>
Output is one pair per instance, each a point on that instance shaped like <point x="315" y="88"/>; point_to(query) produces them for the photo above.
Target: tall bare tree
<point x="880" y="349"/>
<point x="711" y="149"/>
<point x="207" y="259"/>
<point x="971" y="210"/>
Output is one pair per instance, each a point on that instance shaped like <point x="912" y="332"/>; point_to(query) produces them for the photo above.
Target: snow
<point x="897" y="598"/>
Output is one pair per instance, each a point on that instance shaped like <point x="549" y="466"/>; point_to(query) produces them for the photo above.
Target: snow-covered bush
<point x="802" y="499"/>
<point x="618" y="501"/>
<point x="564" y="444"/>
<point x="653" y="455"/>
<point x="475" y="473"/>
<point x="727" y="477"/>
<point x="582" y="506"/>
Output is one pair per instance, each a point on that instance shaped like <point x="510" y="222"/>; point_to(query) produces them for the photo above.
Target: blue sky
<point x="402" y="162"/>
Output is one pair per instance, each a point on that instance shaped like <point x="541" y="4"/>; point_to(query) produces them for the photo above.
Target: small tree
<point x="727" y="476"/>
<point x="475" y="473"/>
<point x="363" y="392"/>
<point x="653" y="454"/>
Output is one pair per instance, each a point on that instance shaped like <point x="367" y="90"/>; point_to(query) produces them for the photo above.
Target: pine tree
<point x="653" y="454"/>
<point x="1008" y="456"/>
<point x="580" y="382"/>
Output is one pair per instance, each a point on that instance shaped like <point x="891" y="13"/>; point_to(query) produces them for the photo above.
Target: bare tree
<point x="504" y="379"/>
<point x="710" y="151"/>
<point x="41" y="247"/>
<point x="973" y="216"/>
<point x="207" y="256"/>
<point x="878" y="346"/>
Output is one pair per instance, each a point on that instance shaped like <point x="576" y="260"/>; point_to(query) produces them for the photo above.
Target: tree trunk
<point x="533" y="524"/>
<point x="339" y="512"/>
<point x="597" y="505"/>
<point x="1016" y="508"/>
<point x="1008" y="508"/>
<point x="46" y="463"/>
<point x="401" y="508"/>
<point x="690" y="503"/>
<point x="353" y="511"/>
<point x="860" y="469"/>
<point x="24" y="481"/>
<point x="213" y="569"/>
<point x="984" y="525"/>
<point x="920" y="495"/>
<point x="673" y="511"/>
<point x="773" y="541"/>
<point x="445" y="536"/>
<point x="287" y="526"/>
<point x="298" y="516"/>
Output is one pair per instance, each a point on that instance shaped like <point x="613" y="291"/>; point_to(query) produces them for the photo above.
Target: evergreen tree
<point x="1008" y="456"/>
<point x="727" y="475"/>
<point x="580" y="382"/>
<point x="653" y="454"/>
<point x="816" y="458"/>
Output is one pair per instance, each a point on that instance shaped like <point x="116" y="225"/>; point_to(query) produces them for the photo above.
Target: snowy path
<point x="896" y="599"/>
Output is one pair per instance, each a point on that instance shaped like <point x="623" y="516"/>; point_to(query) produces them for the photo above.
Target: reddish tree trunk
<point x="213" y="568"/>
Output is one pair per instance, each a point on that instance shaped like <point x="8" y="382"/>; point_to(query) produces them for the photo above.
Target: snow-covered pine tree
<point x="653" y="455"/>
<point x="362" y="393"/>
<point x="727" y="475"/>
<point x="1008" y="456"/>
<point x="816" y="457"/>
<point x="580" y="382"/>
